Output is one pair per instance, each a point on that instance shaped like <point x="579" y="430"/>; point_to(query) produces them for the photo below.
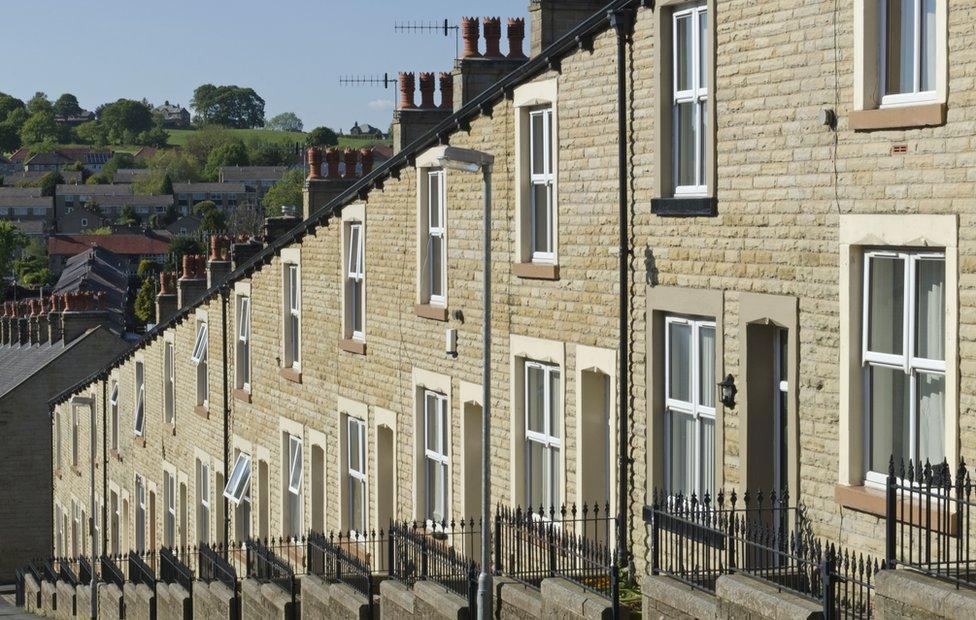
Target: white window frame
<point x="916" y="96"/>
<point x="908" y="362"/>
<point x="293" y="322"/>
<point x="549" y="439"/>
<point x="697" y="95"/>
<point x="436" y="234"/>
<point x="438" y="455"/>
<point x="76" y="530"/>
<point x="169" y="383"/>
<point x="544" y="178"/>
<point x="74" y="435"/>
<point x="203" y="501"/>
<point x="244" y="343"/>
<point x="355" y="276"/>
<point x="356" y="473"/>
<point x="140" y="513"/>
<point x="169" y="518"/>
<point x="113" y="403"/>
<point x="240" y="479"/>
<point x="139" y="413"/>
<point x="200" y="359"/>
<point x="693" y="408"/>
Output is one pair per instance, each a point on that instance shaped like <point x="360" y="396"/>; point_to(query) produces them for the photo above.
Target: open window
<point x="292" y="327"/>
<point x="354" y="280"/>
<point x="140" y="411"/>
<point x="199" y="359"/>
<point x="293" y="505"/>
<point x="356" y="474"/>
<point x="113" y="405"/>
<point x="240" y="479"/>
<point x="169" y="385"/>
<point x="243" y="366"/>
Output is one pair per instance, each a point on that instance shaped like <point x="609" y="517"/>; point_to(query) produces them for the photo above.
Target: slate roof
<point x="124" y="244"/>
<point x="97" y="270"/>
<point x="71" y="189"/>
<point x="72" y="177"/>
<point x="209" y="188"/>
<point x="248" y="173"/>
<point x="19" y="362"/>
<point x="20" y="192"/>
<point x="44" y="202"/>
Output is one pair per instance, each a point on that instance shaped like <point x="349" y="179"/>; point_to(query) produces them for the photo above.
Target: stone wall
<point x="83" y="600"/>
<point x="140" y="602"/>
<point x="32" y="595"/>
<point x="173" y="602"/>
<point x="902" y="594"/>
<point x="66" y="601"/>
<point x="111" y="603"/>
<point x="321" y="599"/>
<point x="516" y="601"/>
<point x="266" y="600"/>
<point x="214" y="600"/>
<point x="397" y="601"/>
<point x="665" y="597"/>
<point x="49" y="598"/>
<point x="434" y="601"/>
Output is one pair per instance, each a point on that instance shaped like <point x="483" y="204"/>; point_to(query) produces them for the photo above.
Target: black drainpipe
<point x="622" y="21"/>
<point x="224" y="364"/>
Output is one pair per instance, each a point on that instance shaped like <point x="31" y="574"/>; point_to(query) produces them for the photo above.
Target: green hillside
<point x="178" y="137"/>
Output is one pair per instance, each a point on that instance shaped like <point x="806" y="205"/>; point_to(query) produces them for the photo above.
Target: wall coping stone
<point x="925" y="593"/>
<point x="762" y="599"/>
<point x="447" y="603"/>
<point x="347" y="597"/>
<point x="399" y="594"/>
<point x="561" y="596"/>
<point x="519" y="595"/>
<point x="673" y="593"/>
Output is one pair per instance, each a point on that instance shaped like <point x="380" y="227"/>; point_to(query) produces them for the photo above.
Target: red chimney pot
<point x="447" y="91"/>
<point x="314" y="163"/>
<point x="406" y="91"/>
<point x="349" y="157"/>
<point x="516" y="36"/>
<point x="470" y="29"/>
<point x="493" y="37"/>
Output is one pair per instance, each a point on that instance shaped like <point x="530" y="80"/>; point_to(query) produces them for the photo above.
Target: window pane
<point x="684" y="48"/>
<point x="356" y="504"/>
<point x="436" y="257"/>
<point x="433" y="200"/>
<point x="703" y="49"/>
<point x="353" y="250"/>
<point x="927" y="68"/>
<point x="442" y="422"/>
<point x="887" y="299"/>
<point x="432" y="422"/>
<point x="535" y="466"/>
<point x="540" y="217"/>
<point x="535" y="399"/>
<point x="354" y="457"/>
<point x="702" y="128"/>
<point x="357" y="305"/>
<point x="538" y="143"/>
<point x="931" y="417"/>
<point x="684" y="142"/>
<point x="930" y="309"/>
<point x="679" y="361"/>
<point x="682" y="445"/>
<point x="900" y="52"/>
<point x="548" y="142"/>
<point x="554" y="412"/>
<point x="436" y="478"/>
<point x="554" y="480"/>
<point x="890" y="417"/>
<point x="706" y="366"/>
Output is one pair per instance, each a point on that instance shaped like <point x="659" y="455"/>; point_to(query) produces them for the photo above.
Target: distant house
<point x="97" y="270"/>
<point x="74" y="120"/>
<point x="173" y="115"/>
<point x="6" y="167"/>
<point x="185" y="225"/>
<point x="25" y="204"/>
<point x="257" y="179"/>
<point x="72" y="177"/>
<point x="131" y="248"/>
<point x="48" y="161"/>
<point x="366" y="131"/>
<point x="128" y="175"/>
<point x="226" y="195"/>
<point x="76" y="206"/>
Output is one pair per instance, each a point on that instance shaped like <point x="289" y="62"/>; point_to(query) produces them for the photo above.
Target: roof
<point x="22" y="192"/>
<point x="136" y="200"/>
<point x="70" y="176"/>
<point x="216" y="188"/>
<point x="97" y="270"/>
<point x="72" y="189"/>
<point x="18" y="362"/>
<point x="70" y="155"/>
<point x="247" y="173"/>
<point x="128" y="175"/>
<point x="145" y="152"/>
<point x="29" y="227"/>
<point x="43" y="202"/>
<point x="123" y="244"/>
<point x="50" y="158"/>
<point x="569" y="43"/>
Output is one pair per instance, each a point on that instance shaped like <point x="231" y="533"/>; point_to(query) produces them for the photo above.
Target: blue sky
<point x="291" y="52"/>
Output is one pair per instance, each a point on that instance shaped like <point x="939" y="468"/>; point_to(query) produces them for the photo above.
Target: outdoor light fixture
<point x="728" y="391"/>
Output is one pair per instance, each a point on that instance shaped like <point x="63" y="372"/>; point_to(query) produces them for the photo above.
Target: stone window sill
<point x="427" y="311"/>
<point x="76" y="470"/>
<point x="535" y="271"/>
<point x="57" y="473"/>
<point x="352" y="346"/>
<point x="242" y="395"/>
<point x="115" y="455"/>
<point x="873" y="501"/>
<point x="139" y="441"/>
<point x="290" y="374"/>
<point x="906" y="117"/>
<point x="685" y="207"/>
<point x="203" y="411"/>
<point x="170" y="428"/>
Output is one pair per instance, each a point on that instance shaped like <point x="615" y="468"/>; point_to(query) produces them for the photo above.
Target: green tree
<point x="267" y="154"/>
<point x="40" y="128"/>
<point x="99" y="178"/>
<point x="121" y="160"/>
<point x="67" y="105"/>
<point x="233" y="106"/>
<point x="39" y="103"/>
<point x="8" y="104"/>
<point x="125" y="119"/>
<point x="205" y="139"/>
<point x="38" y="278"/>
<point x="12" y="241"/>
<point x="286" y="121"/>
<point x="157" y="137"/>
<point x="181" y="246"/>
<point x="147" y="268"/>
<point x="144" y="306"/>
<point x="212" y="219"/>
<point x="321" y="136"/>
<point x="128" y="216"/>
<point x="49" y="183"/>
<point x="178" y="165"/>
<point x="232" y="153"/>
<point x="167" y="188"/>
<point x="287" y="191"/>
<point x="9" y="137"/>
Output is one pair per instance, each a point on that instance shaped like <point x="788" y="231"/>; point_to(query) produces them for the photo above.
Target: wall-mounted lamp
<point x="728" y="391"/>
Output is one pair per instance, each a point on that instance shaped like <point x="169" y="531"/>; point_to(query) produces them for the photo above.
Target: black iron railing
<point x="172" y="570"/>
<point x="439" y="552"/>
<point x="697" y="540"/>
<point x="350" y="558"/>
<point x="929" y="520"/>
<point x="85" y="572"/>
<point x="567" y="542"/>
<point x="140" y="572"/>
<point x="111" y="572"/>
<point x="269" y="563"/>
<point x="211" y="566"/>
<point x="20" y="597"/>
<point x="48" y="572"/>
<point x="66" y="572"/>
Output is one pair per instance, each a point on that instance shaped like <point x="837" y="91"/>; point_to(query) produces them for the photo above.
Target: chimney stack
<point x="332" y="163"/>
<point x="427" y="91"/>
<point x="493" y="37"/>
<point x="55" y="324"/>
<point x="166" y="302"/>
<point x="23" y="323"/>
<point x="446" y="81"/>
<point x="5" y="324"/>
<point x="551" y="19"/>
<point x="406" y="91"/>
<point x="218" y="267"/>
<point x="82" y="311"/>
<point x="242" y="250"/>
<point x="366" y="157"/>
<point x="192" y="282"/>
<point x="475" y="73"/>
<point x="321" y="191"/>
<point x="411" y="121"/>
<point x="349" y="162"/>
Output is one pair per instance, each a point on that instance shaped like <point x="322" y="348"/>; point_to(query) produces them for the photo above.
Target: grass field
<point x="178" y="137"/>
